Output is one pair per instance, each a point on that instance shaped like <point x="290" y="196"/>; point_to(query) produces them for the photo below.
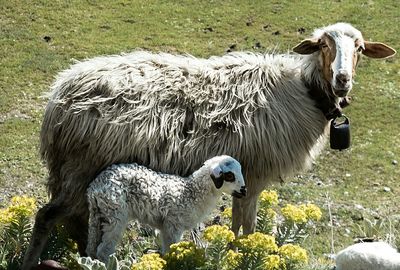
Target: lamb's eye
<point x="229" y="177"/>
<point x="359" y="49"/>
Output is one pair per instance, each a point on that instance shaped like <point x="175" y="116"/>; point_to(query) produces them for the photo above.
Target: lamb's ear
<point x="307" y="46"/>
<point x="377" y="50"/>
<point x="217" y="177"/>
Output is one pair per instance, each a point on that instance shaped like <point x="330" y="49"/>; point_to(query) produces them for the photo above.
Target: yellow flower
<point x="271" y="262"/>
<point x="258" y="242"/>
<point x="268" y="198"/>
<point x="294" y="214"/>
<point x="312" y="211"/>
<point x="227" y="213"/>
<point x="271" y="214"/>
<point x="293" y="253"/>
<point x="150" y="262"/>
<point x="184" y="255"/>
<point x="20" y="206"/>
<point x="231" y="260"/>
<point x="218" y="233"/>
<point x="5" y="216"/>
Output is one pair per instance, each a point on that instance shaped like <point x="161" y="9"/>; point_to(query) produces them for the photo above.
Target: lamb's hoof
<point x="49" y="265"/>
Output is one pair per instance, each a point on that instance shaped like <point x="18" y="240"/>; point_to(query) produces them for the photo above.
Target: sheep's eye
<point x="359" y="49"/>
<point x="324" y="46"/>
<point x="229" y="177"/>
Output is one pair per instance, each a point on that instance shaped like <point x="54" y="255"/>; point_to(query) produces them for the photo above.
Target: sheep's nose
<point x="343" y="77"/>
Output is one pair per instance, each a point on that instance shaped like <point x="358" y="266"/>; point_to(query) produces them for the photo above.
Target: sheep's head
<point x="339" y="47"/>
<point x="227" y="176"/>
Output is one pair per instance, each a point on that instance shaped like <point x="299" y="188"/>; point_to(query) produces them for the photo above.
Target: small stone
<point x="386" y="189"/>
<point x="348" y="175"/>
<point x="394" y="162"/>
<point x="359" y="206"/>
<point x="208" y="29"/>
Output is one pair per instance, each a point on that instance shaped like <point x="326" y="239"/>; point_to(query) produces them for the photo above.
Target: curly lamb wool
<point x="368" y="256"/>
<point x="167" y="202"/>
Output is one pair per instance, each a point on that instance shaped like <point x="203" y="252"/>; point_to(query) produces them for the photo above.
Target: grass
<point x="355" y="180"/>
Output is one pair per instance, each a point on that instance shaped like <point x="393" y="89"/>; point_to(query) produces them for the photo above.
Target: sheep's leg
<point x="46" y="218"/>
<point x="77" y="228"/>
<point x="113" y="225"/>
<point x="249" y="214"/>
<point x="237" y="216"/>
<point x="244" y="212"/>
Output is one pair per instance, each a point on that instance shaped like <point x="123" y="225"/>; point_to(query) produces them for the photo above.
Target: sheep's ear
<point x="217" y="177"/>
<point x="307" y="46"/>
<point x="377" y="50"/>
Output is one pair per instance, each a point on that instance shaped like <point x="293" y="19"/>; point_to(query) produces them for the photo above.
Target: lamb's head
<point x="227" y="176"/>
<point x="339" y="47"/>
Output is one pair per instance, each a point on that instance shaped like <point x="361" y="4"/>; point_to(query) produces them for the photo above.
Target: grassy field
<point x="40" y="38"/>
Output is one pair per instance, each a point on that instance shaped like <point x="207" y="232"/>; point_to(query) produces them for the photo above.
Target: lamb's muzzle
<point x="241" y="194"/>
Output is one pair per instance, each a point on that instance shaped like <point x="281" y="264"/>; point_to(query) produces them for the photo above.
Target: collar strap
<point x="327" y="103"/>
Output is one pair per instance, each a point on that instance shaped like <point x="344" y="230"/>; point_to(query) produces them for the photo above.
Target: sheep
<point x="171" y="112"/>
<point x="368" y="256"/>
<point x="166" y="202"/>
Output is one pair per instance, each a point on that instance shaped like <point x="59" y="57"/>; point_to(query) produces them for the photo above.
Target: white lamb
<point x="169" y="203"/>
<point x="368" y="256"/>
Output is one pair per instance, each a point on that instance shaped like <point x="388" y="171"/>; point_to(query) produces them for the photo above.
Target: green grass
<point x="83" y="29"/>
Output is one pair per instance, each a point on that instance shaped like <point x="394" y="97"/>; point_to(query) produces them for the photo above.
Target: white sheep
<point x="167" y="202"/>
<point x="171" y="112"/>
<point x="368" y="256"/>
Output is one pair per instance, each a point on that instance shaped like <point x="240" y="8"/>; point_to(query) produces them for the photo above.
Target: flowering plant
<point x="184" y="255"/>
<point x="150" y="262"/>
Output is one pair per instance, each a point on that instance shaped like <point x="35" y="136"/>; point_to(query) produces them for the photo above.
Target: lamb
<point x="167" y="202"/>
<point x="368" y="256"/>
<point x="172" y="112"/>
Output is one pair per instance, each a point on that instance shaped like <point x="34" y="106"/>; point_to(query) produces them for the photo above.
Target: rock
<point x="208" y="29"/>
<point x="266" y="27"/>
<point x="386" y="189"/>
<point x="301" y="30"/>
<point x="394" y="162"/>
<point x="231" y="48"/>
<point x="359" y="206"/>
<point x="47" y="38"/>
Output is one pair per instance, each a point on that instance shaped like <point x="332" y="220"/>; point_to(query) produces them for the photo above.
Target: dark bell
<point x="340" y="133"/>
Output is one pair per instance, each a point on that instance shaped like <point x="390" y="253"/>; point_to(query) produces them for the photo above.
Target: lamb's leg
<point x="113" y="224"/>
<point x="94" y="229"/>
<point x="169" y="236"/>
<point x="46" y="218"/>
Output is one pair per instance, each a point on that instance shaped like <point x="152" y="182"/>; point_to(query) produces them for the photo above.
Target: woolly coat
<point x="167" y="202"/>
<point x="171" y="112"/>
